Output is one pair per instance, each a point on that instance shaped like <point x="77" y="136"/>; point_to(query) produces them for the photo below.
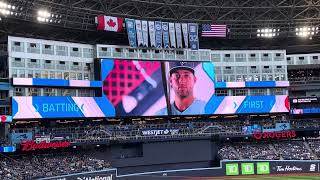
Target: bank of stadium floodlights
<point x="302" y="31"/>
<point x="307" y="31"/>
<point x="7" y="9"/>
<point x="45" y="16"/>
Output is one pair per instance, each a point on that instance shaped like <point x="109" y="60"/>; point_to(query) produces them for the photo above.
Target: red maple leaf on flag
<point x="111" y="23"/>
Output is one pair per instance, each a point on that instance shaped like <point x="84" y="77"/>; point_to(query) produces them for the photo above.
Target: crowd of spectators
<point x="286" y="150"/>
<point x="227" y="152"/>
<point x="293" y="150"/>
<point x="45" y="165"/>
<point x="256" y="151"/>
<point x="315" y="146"/>
<point x="303" y="75"/>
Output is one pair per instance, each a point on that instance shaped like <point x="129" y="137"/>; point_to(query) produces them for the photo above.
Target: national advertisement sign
<point x="107" y="174"/>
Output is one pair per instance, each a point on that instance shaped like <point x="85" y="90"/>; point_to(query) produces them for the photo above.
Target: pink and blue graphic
<point x="26" y="107"/>
<point x="251" y="84"/>
<point x="305" y="111"/>
<point x="55" y="82"/>
<point x="247" y="104"/>
<point x="5" y="119"/>
<point x="7" y="149"/>
<point x="132" y="86"/>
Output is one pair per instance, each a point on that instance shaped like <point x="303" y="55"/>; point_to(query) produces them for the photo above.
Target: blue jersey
<point x="197" y="107"/>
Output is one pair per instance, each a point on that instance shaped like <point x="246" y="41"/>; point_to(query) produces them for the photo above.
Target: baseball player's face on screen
<point x="182" y="82"/>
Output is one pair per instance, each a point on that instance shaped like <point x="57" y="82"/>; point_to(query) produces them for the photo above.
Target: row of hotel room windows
<point x="48" y="49"/>
<point x="5" y="110"/>
<point x="252" y="77"/>
<point x="249" y="69"/>
<point x="251" y="92"/>
<point x="22" y="91"/>
<point x="242" y="57"/>
<point x="22" y="73"/>
<point x="19" y="91"/>
<point x="51" y="64"/>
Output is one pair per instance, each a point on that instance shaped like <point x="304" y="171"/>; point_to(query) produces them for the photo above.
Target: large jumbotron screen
<point x="149" y="88"/>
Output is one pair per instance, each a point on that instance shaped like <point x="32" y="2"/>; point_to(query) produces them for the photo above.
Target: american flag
<point x="214" y="30"/>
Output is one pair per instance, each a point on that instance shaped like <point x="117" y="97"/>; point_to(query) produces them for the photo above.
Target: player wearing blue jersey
<point x="182" y="80"/>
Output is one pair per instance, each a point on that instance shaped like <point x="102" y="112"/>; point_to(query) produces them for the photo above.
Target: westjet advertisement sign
<point x="159" y="132"/>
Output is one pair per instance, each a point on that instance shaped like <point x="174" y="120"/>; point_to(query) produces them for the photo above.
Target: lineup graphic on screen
<point x="149" y="88"/>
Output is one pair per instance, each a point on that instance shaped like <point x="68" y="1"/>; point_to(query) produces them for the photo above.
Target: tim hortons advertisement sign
<point x="32" y="145"/>
<point x="274" y="135"/>
<point x="288" y="169"/>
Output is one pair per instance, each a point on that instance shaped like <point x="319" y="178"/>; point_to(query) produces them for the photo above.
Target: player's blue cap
<point x="174" y="66"/>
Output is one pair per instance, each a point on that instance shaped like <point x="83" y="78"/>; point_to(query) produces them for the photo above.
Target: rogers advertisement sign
<point x="274" y="135"/>
<point x="32" y="145"/>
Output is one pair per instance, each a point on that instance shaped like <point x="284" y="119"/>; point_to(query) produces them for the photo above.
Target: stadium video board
<point x="148" y="88"/>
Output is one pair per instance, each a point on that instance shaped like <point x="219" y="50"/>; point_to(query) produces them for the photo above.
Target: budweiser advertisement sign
<point x="274" y="135"/>
<point x="32" y="145"/>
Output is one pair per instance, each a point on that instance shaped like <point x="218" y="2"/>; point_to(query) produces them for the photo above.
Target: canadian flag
<point x="109" y="23"/>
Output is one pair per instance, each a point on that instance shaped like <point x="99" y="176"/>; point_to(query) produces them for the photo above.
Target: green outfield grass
<point x="311" y="177"/>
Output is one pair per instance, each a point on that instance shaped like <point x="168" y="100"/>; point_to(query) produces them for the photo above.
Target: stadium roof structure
<point x="243" y="17"/>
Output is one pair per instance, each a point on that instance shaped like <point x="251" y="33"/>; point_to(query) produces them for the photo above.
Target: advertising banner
<point x="251" y="129"/>
<point x="258" y="135"/>
<point x="107" y="174"/>
<point x="165" y="30"/>
<point x="193" y="36"/>
<point x="260" y="167"/>
<point x="159" y="132"/>
<point x="131" y="30"/>
<point x="305" y="100"/>
<point x="152" y="34"/>
<point x="279" y="127"/>
<point x="32" y="145"/>
<point x="158" y="27"/>
<point x="16" y="138"/>
<point x="229" y="168"/>
<point x="305" y="111"/>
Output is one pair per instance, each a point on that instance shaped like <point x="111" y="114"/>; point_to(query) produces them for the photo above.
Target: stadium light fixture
<point x="307" y="31"/>
<point x="268" y="32"/>
<point x="45" y="16"/>
<point x="6" y="9"/>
